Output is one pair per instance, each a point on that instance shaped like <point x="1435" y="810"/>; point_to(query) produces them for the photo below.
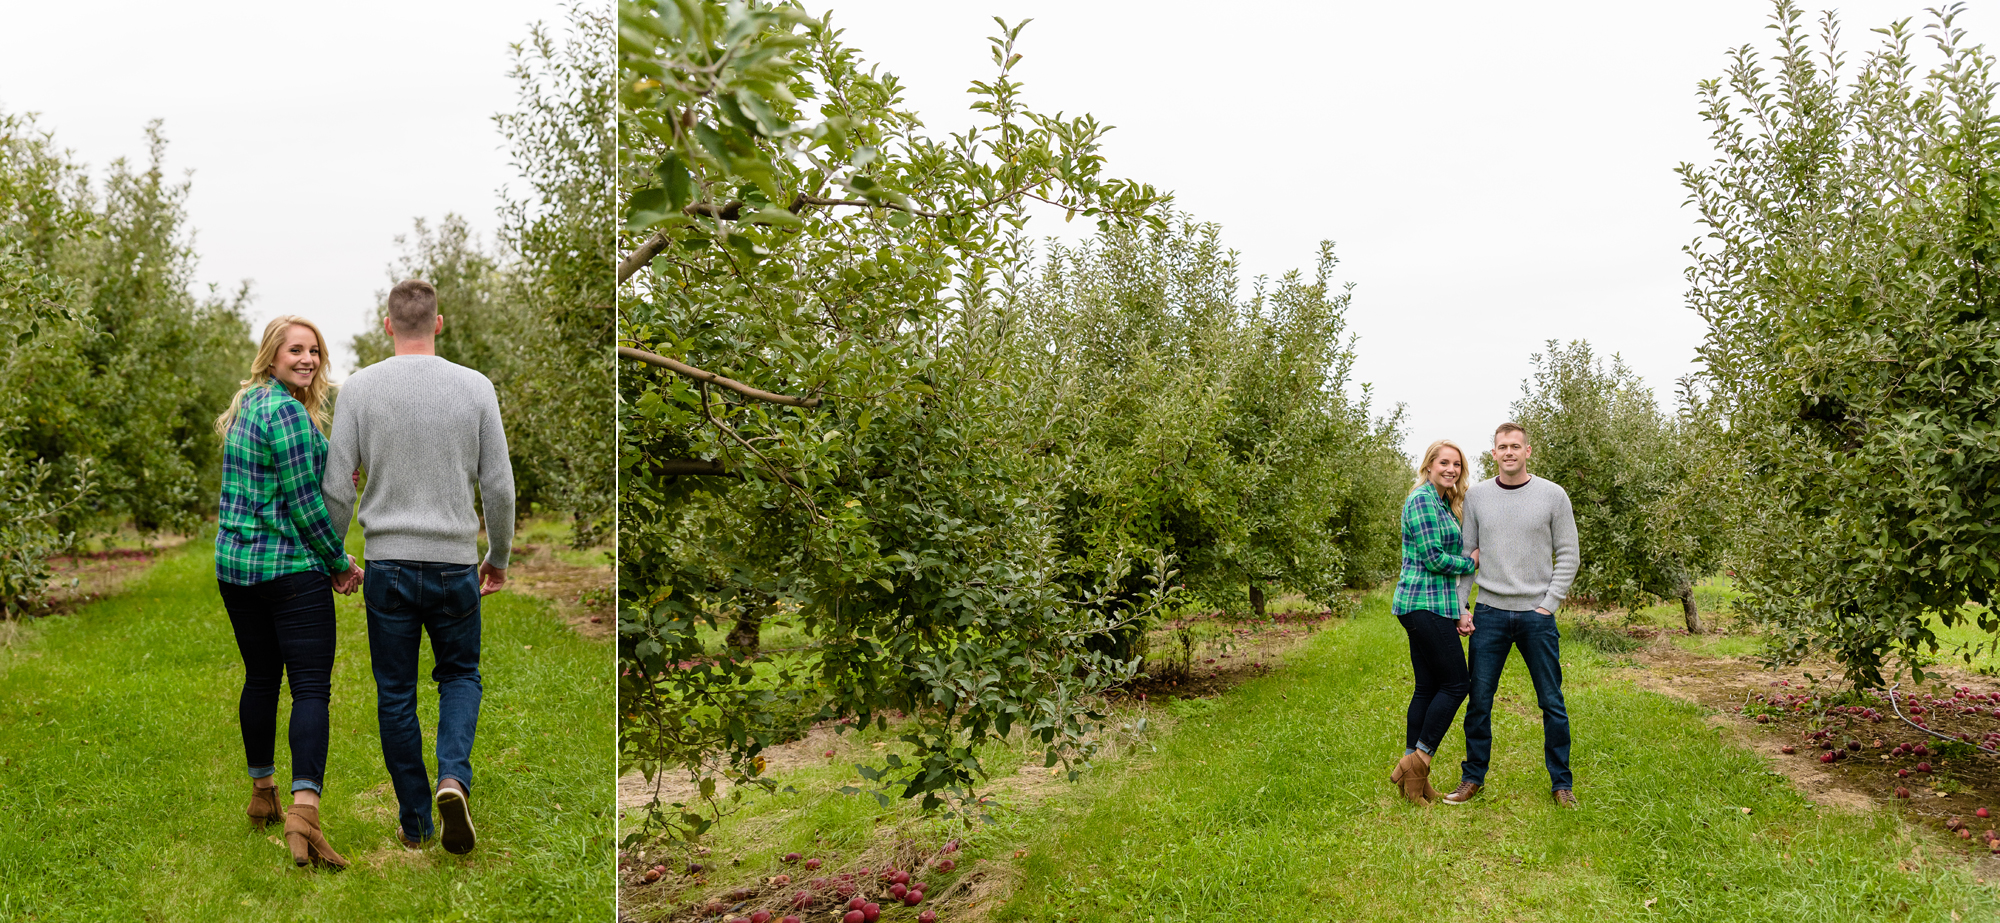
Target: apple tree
<point x="1847" y="273"/>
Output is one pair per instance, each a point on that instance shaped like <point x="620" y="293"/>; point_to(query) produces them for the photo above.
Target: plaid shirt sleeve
<point x="295" y="457"/>
<point x="1425" y="521"/>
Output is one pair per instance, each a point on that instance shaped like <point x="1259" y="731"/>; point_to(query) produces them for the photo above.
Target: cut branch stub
<point x="677" y="467"/>
<point x="682" y="368"/>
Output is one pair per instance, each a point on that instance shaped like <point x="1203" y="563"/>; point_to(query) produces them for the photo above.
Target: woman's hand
<point x="346" y="583"/>
<point x="1465" y="622"/>
<point x="1475" y="557"/>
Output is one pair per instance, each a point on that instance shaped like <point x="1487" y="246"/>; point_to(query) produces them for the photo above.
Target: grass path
<point x="122" y="782"/>
<point x="1276" y="806"/>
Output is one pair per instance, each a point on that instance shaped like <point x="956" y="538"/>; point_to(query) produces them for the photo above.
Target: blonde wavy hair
<point x="1456" y="495"/>
<point x="318" y="408"/>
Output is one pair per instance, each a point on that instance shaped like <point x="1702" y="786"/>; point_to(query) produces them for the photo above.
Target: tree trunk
<point x="1687" y="608"/>
<point x="743" y="636"/>
<point x="1257" y="598"/>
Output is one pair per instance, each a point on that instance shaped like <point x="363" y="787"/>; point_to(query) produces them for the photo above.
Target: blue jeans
<point x="285" y="631"/>
<point x="1494" y="631"/>
<point x="405" y="600"/>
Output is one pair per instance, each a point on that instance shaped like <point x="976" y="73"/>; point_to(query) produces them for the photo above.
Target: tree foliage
<point x="1652" y="492"/>
<point x="112" y="371"/>
<point x="841" y="412"/>
<point x="1848" y="277"/>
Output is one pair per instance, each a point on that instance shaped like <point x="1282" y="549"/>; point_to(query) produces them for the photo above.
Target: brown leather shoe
<point x="264" y="804"/>
<point x="1463" y="793"/>
<point x="308" y="844"/>
<point x="1412" y="774"/>
<point x="1564" y="797"/>
<point x="410" y="844"/>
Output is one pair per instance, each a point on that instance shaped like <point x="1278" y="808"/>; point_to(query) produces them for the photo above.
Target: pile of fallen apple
<point x="855" y="896"/>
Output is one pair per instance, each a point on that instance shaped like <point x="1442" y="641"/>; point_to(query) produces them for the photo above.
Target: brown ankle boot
<point x="307" y="843"/>
<point x="1412" y="774"/>
<point x="264" y="805"/>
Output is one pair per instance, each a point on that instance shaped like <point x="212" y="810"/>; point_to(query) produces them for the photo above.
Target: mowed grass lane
<point x="122" y="784"/>
<point x="1277" y="807"/>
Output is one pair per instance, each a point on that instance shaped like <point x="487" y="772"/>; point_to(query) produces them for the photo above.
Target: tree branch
<point x="690" y="371"/>
<point x="733" y="210"/>
<point x="673" y="467"/>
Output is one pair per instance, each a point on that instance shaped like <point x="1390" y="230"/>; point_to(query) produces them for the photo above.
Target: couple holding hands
<point x="1527" y="532"/>
<point x="425" y="433"/>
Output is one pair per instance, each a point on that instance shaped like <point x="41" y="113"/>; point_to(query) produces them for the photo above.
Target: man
<point x="1524" y="533"/>
<point x="425" y="432"/>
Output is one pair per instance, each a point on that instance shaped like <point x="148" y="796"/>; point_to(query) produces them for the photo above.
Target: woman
<point x="277" y="564"/>
<point x="1427" y="604"/>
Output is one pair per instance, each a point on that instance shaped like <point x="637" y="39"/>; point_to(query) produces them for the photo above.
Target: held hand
<point x="357" y="479"/>
<point x="491" y="578"/>
<point x="1475" y="557"/>
<point x="1465" y="625"/>
<point x="349" y="581"/>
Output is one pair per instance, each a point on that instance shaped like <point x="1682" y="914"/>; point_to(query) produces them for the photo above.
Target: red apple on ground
<point x="913" y="898"/>
<point x="898" y="889"/>
<point x="789" y="919"/>
<point x="928" y="916"/>
<point x="1982" y="812"/>
<point x="761" y="916"/>
<point x="853" y="916"/>
<point x="857" y="903"/>
<point x="652" y="874"/>
<point x="1923" y="767"/>
<point x="1788" y="749"/>
<point x="812" y="863"/>
<point x="946" y="865"/>
<point x="871" y="912"/>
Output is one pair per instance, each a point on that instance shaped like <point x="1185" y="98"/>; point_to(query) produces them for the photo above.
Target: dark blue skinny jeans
<point x="1439" y="664"/>
<point x="406" y="600"/>
<point x="284" y="630"/>
<point x="1494" y="632"/>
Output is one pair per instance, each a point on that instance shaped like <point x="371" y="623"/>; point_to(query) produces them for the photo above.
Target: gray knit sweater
<point x="1526" y="539"/>
<point x="425" y="431"/>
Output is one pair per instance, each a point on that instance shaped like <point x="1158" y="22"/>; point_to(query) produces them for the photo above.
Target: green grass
<point x="1277" y="807"/>
<point x="1271" y="802"/>
<point x="122" y="782"/>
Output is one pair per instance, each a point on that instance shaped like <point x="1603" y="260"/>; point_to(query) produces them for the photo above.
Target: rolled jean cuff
<point x="1428" y="751"/>
<point x="263" y="772"/>
<point x="299" y="785"/>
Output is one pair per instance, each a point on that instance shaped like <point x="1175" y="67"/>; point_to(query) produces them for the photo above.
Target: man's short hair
<point x="413" y="308"/>
<point x="1510" y="427"/>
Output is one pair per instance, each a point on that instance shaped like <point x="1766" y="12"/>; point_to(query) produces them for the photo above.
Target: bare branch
<point x="682" y="368"/>
<point x="673" y="467"/>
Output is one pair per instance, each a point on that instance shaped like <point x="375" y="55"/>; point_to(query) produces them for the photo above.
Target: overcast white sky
<point x="1494" y="175"/>
<point x="315" y="132"/>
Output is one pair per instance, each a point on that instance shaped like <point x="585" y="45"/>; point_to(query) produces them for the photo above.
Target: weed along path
<point x="122" y="785"/>
<point x="1276" y="806"/>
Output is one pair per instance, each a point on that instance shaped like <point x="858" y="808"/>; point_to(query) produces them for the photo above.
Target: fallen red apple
<point x="829" y="754"/>
<point x="790" y="858"/>
<point x="1902" y="773"/>
<point x="857" y="903"/>
<point x="900" y="877"/>
<point x="812" y="863"/>
<point x="652" y="874"/>
<point x="946" y="865"/>
<point x="1923" y="767"/>
<point x="789" y="919"/>
<point x="802" y="900"/>
<point x="928" y="916"/>
<point x="1902" y="792"/>
<point x="1982" y="812"/>
<point x="913" y="898"/>
<point x="898" y="889"/>
<point x="781" y="879"/>
<point x="1826" y="757"/>
<point x="1788" y="749"/>
<point x="871" y="912"/>
<point x="761" y="916"/>
<point x="854" y="916"/>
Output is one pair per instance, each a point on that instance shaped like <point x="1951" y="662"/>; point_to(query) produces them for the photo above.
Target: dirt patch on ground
<point x="85" y="577"/>
<point x="583" y="596"/>
<point x="1876" y="761"/>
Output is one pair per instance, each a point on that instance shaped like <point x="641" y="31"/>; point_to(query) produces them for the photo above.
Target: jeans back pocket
<point x="460" y="587"/>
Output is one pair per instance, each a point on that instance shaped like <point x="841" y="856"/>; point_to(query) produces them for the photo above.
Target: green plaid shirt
<point x="1432" y="563"/>
<point x="273" y="520"/>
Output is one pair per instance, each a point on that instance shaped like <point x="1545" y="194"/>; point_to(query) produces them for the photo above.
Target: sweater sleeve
<point x="290" y="437"/>
<point x="1469" y="534"/>
<point x="1562" y="534"/>
<point x="342" y="458"/>
<point x="496" y="483"/>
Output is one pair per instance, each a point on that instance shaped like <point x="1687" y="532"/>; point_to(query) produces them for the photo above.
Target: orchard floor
<point x="122" y="785"/>
<point x="1271" y="801"/>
